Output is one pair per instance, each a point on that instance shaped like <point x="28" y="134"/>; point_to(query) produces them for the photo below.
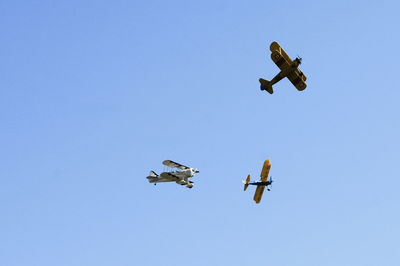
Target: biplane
<point x="180" y="176"/>
<point x="264" y="182"/>
<point x="289" y="69"/>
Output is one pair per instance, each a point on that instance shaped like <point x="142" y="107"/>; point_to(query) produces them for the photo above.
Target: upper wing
<point x="279" y="56"/>
<point x="166" y="177"/>
<point x="265" y="171"/>
<point x="298" y="79"/>
<point x="173" y="164"/>
<point x="275" y="47"/>
<point x="258" y="194"/>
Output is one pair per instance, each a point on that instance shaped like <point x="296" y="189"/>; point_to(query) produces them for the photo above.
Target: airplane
<point x="288" y="69"/>
<point x="264" y="182"/>
<point x="181" y="176"/>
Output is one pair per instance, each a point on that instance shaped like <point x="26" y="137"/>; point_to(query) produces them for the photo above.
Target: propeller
<point x="270" y="185"/>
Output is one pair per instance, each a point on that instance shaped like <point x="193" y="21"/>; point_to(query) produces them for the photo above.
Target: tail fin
<point x="266" y="85"/>
<point x="246" y="182"/>
<point x="153" y="174"/>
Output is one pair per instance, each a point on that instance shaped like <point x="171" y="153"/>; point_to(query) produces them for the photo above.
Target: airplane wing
<point x="167" y="177"/>
<point x="265" y="171"/>
<point x="279" y="56"/>
<point x="298" y="79"/>
<point x="258" y="194"/>
<point x="173" y="164"/>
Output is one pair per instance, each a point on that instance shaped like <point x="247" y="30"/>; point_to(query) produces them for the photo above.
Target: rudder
<point x="153" y="174"/>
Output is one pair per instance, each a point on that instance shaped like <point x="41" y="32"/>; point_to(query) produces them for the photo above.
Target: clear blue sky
<point x="95" y="94"/>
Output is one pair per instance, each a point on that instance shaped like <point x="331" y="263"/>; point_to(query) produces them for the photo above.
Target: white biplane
<point x="181" y="176"/>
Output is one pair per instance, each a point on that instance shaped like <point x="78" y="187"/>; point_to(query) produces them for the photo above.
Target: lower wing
<point x="166" y="177"/>
<point x="258" y="194"/>
<point x="297" y="78"/>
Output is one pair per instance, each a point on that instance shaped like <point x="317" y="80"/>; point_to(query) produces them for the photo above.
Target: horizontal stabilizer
<point x="266" y="86"/>
<point x="246" y="182"/>
<point x="153" y="177"/>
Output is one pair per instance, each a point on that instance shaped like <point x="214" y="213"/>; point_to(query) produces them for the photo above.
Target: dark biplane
<point x="288" y="69"/>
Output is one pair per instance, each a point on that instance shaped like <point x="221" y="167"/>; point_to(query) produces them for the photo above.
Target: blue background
<point x="95" y="94"/>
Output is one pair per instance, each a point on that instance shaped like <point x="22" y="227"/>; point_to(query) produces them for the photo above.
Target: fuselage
<point x="267" y="183"/>
<point x="188" y="173"/>
<point x="286" y="72"/>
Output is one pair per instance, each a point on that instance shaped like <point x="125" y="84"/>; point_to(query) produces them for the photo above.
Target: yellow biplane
<point x="288" y="69"/>
<point x="264" y="182"/>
